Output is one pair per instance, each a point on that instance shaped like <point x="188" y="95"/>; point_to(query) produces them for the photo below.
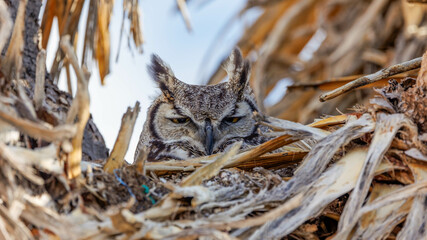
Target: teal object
<point x="146" y="191"/>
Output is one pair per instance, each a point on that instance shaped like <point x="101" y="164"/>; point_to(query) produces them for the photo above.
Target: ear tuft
<point x="163" y="75"/>
<point x="238" y="71"/>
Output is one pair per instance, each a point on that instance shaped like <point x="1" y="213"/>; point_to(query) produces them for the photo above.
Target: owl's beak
<point x="209" y="140"/>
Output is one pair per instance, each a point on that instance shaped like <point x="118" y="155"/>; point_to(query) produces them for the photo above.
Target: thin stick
<point x="39" y="94"/>
<point x="266" y="161"/>
<point x="19" y="164"/>
<point x="27" y="108"/>
<point x="80" y="107"/>
<point x="67" y="71"/>
<point x="185" y="14"/>
<point x="274" y="160"/>
<point x="211" y="169"/>
<point x="383" y="73"/>
<point x="333" y="83"/>
<point x="12" y="62"/>
<point x="262" y="219"/>
<point x="140" y="160"/>
<point x="121" y="34"/>
<point x="266" y="147"/>
<point x="6" y="24"/>
<point x="37" y="130"/>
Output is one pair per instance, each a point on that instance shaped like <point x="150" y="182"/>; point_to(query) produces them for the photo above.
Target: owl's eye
<point x="179" y="120"/>
<point x="232" y="119"/>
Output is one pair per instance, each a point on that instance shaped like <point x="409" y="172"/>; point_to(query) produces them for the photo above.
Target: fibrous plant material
<point x="333" y="183"/>
<point x="79" y="111"/>
<point x="117" y="156"/>
<point x="37" y="130"/>
<point x="96" y="44"/>
<point x="12" y="62"/>
<point x="39" y="93"/>
<point x="360" y="175"/>
<point x="273" y="41"/>
<point x="258" y="204"/>
<point x="415" y="227"/>
<point x="384" y="73"/>
<point x="131" y="9"/>
<point x="335" y="83"/>
<point x="6" y="25"/>
<point x="386" y="128"/>
<point x="330" y="40"/>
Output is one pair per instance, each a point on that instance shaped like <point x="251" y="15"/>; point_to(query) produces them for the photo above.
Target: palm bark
<point x="56" y="100"/>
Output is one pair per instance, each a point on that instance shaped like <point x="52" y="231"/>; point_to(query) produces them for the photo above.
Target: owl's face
<point x="203" y="119"/>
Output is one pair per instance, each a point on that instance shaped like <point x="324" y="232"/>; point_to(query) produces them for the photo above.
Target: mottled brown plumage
<point x="188" y="121"/>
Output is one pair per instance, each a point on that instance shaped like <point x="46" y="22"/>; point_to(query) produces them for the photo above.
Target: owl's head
<point x="203" y="119"/>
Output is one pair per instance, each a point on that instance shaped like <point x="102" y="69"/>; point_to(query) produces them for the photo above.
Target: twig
<point x="266" y="161"/>
<point x="13" y="59"/>
<point x="397" y="195"/>
<point x="333" y="83"/>
<point x="25" y="104"/>
<point x="211" y="169"/>
<point x="261" y="149"/>
<point x="81" y="103"/>
<point x="39" y="94"/>
<point x="37" y="130"/>
<point x="121" y="33"/>
<point x="260" y="220"/>
<point x="417" y="1"/>
<point x="67" y="71"/>
<point x="6" y="24"/>
<point x="200" y="233"/>
<point x="19" y="164"/>
<point x="121" y="146"/>
<point x="384" y="73"/>
<point x="185" y="14"/>
<point x="330" y="121"/>
<point x="168" y="205"/>
<point x="141" y="159"/>
<point x="275" y="160"/>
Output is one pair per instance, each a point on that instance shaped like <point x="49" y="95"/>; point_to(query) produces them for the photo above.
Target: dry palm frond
<point x="131" y="10"/>
<point x="356" y="175"/>
<point x="349" y="154"/>
<point x="97" y="36"/>
<point x="332" y="39"/>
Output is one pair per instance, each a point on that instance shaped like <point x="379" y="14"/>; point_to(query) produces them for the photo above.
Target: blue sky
<point x="166" y="35"/>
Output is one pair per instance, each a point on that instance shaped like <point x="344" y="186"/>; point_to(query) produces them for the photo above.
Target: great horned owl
<point x="188" y="121"/>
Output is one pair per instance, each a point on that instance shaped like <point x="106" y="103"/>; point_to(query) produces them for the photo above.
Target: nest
<point x="360" y="175"/>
